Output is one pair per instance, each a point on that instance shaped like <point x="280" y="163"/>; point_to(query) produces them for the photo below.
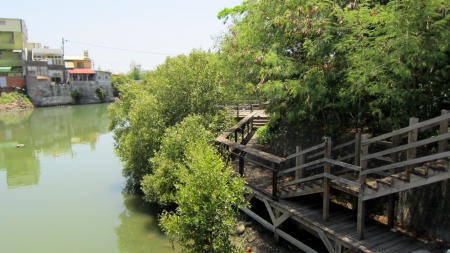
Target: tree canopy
<point x="360" y="64"/>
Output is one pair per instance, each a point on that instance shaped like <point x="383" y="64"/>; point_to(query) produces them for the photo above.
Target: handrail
<point x="305" y="165"/>
<point x="407" y="129"/>
<point x="407" y="146"/>
<point x="236" y="127"/>
<point x="342" y="164"/>
<point x="252" y="151"/>
<point x="408" y="162"/>
<point x="321" y="145"/>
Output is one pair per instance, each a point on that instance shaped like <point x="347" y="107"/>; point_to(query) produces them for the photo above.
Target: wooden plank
<point x="252" y="151"/>
<point x="282" y="219"/>
<point x="382" y="238"/>
<point x="391" y="242"/>
<point x="296" y="242"/>
<point x="407" y="146"/>
<point x="406" y="243"/>
<point x="405" y="163"/>
<point x="321" y="145"/>
<point x="325" y="241"/>
<point x="303" y="180"/>
<point x="343" y="145"/>
<point x="303" y="166"/>
<point x="270" y="211"/>
<point x="343" y="180"/>
<point x="383" y="158"/>
<point x="345" y="157"/>
<point x="406" y="186"/>
<point x="406" y="129"/>
<point x="342" y="164"/>
<point x="384" y="143"/>
<point x="263" y="222"/>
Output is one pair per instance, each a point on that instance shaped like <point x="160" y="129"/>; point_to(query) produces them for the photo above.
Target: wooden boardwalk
<point x="302" y="193"/>
<point x="340" y="230"/>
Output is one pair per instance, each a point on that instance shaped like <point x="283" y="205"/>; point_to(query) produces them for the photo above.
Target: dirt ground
<point x="261" y="240"/>
<point x="17" y="105"/>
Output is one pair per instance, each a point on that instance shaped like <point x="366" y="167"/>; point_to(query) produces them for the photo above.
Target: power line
<point x="120" y="49"/>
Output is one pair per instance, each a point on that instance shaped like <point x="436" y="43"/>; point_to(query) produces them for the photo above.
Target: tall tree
<point x="208" y="199"/>
<point x="363" y="64"/>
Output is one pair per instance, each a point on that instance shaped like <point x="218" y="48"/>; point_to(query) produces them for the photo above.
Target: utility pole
<point x="64" y="65"/>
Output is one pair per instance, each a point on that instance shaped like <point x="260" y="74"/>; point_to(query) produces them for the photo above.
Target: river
<point x="62" y="192"/>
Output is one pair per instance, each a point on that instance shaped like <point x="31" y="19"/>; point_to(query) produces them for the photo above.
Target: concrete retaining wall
<point x="43" y="93"/>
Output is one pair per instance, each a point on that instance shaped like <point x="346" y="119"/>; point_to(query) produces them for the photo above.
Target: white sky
<point x="161" y="28"/>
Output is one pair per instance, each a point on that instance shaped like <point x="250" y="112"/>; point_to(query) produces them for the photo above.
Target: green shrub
<point x="264" y="134"/>
<point x="75" y="94"/>
<point x="101" y="93"/>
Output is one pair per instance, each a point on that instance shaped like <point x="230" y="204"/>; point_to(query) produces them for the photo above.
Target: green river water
<point x="62" y="192"/>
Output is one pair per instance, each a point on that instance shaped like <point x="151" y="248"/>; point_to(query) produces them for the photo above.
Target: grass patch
<point x="7" y="98"/>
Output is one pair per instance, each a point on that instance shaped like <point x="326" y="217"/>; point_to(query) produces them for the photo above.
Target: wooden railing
<point x="322" y="162"/>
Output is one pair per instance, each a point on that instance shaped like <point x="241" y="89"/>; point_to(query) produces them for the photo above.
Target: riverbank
<point x="14" y="101"/>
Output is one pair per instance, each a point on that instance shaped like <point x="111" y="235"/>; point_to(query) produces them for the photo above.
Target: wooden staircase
<point x="429" y="173"/>
<point x="300" y="189"/>
<point x="259" y="121"/>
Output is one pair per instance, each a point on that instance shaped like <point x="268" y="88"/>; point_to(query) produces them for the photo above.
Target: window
<point x="2" y="22"/>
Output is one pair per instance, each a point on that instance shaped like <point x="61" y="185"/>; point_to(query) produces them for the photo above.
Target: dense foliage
<point x="182" y="86"/>
<point x="208" y="198"/>
<point x="165" y="127"/>
<point x="358" y="64"/>
<point x="117" y="81"/>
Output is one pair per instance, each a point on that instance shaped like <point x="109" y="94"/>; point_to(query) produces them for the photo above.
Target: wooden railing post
<point x="391" y="200"/>
<point x="361" y="203"/>
<point x="443" y="130"/>
<point x="298" y="161"/>
<point x="275" y="181"/>
<point x="237" y="111"/>
<point x="357" y="162"/>
<point x="241" y="164"/>
<point x="326" y="185"/>
<point x="411" y="153"/>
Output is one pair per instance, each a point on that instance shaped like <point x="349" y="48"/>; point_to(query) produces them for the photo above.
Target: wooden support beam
<point x="391" y="210"/>
<point x="276" y="236"/>
<point x="285" y="236"/>
<point x="360" y="217"/>
<point x="282" y="219"/>
<point x="270" y="211"/>
<point x="443" y="129"/>
<point x="361" y="204"/>
<point x="250" y="196"/>
<point x="325" y="241"/>
<point x="337" y="246"/>
<point x="326" y="183"/>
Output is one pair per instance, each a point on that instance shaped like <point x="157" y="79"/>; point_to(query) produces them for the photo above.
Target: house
<point x="13" y="52"/>
<point x="45" y="62"/>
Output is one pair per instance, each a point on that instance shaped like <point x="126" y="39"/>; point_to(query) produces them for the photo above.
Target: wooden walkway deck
<point x="306" y="211"/>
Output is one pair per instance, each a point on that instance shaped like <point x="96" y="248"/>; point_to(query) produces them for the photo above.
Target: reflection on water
<point x="49" y="132"/>
<point x="139" y="220"/>
<point x="62" y="191"/>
